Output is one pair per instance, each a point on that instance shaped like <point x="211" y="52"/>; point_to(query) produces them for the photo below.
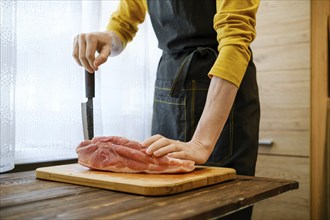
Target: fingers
<point x="79" y="52"/>
<point x="89" y="54"/>
<point x="159" y="145"/>
<point x="147" y="142"/>
<point x="103" y="56"/>
<point x="86" y="45"/>
<point x="75" y="51"/>
<point x="82" y="54"/>
<point x="166" y="149"/>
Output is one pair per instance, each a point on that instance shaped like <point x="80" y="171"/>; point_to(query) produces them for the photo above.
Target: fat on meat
<point x="118" y="154"/>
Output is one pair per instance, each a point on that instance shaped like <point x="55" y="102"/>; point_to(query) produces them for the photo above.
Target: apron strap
<point x="180" y="76"/>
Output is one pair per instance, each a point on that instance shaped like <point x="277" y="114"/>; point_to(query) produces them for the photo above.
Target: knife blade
<point x="87" y="107"/>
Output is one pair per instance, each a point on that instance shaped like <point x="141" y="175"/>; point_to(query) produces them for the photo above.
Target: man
<point x="206" y="104"/>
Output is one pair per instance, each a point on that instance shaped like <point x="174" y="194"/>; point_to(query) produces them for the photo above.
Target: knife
<point x="87" y="107"/>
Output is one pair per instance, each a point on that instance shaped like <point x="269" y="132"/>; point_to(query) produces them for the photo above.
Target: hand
<point x="86" y="45"/>
<point x="192" y="150"/>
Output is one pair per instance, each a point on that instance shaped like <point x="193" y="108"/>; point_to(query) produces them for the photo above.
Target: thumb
<point x="102" y="57"/>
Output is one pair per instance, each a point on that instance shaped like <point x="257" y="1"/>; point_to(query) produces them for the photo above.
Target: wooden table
<point x="25" y="197"/>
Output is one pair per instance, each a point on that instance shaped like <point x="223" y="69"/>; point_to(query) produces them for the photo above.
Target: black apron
<point x="185" y="33"/>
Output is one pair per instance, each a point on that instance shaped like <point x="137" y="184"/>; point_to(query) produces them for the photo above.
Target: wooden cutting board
<point x="142" y="184"/>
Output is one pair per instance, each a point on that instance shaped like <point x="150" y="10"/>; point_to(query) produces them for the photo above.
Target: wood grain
<point x="282" y="57"/>
<point x="293" y="205"/>
<point x="282" y="53"/>
<point x="282" y="23"/>
<point x="285" y="111"/>
<point x="285" y="87"/>
<point x="328" y="148"/>
<point x="319" y="81"/>
<point x="92" y="203"/>
<point x="137" y="183"/>
<point x="286" y="142"/>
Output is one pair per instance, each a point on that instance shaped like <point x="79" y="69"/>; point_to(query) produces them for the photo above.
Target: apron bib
<point x="185" y="33"/>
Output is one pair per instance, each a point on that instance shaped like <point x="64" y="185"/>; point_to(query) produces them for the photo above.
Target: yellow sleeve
<point x="234" y="23"/>
<point x="124" y="21"/>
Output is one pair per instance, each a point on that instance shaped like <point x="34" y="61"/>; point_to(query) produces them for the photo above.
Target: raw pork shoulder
<point x="119" y="154"/>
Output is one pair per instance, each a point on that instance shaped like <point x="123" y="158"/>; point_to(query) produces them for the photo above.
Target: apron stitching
<point x="193" y="94"/>
<point x="162" y="88"/>
<point x="170" y="103"/>
<point x="185" y="118"/>
<point x="167" y="89"/>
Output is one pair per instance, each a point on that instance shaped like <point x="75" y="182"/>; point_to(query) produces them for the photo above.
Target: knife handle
<point x="89" y="84"/>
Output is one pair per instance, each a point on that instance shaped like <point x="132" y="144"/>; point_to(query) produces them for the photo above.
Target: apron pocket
<point x="169" y="113"/>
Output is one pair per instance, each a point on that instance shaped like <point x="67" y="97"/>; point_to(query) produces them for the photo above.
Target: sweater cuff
<point x="231" y="63"/>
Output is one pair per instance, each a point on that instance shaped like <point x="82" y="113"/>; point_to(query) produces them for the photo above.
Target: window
<point x="42" y="87"/>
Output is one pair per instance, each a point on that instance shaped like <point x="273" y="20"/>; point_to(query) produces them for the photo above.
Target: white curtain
<point x="7" y="84"/>
<point x="127" y="83"/>
<point x="42" y="88"/>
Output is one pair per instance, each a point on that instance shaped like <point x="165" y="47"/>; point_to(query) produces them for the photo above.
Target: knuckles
<point x="158" y="136"/>
<point x="90" y="37"/>
<point x="89" y="55"/>
<point x="82" y="56"/>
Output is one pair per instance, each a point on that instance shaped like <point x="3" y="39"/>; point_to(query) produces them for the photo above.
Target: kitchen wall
<point x="282" y="56"/>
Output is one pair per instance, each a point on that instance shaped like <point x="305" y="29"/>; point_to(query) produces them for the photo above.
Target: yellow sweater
<point x="234" y="23"/>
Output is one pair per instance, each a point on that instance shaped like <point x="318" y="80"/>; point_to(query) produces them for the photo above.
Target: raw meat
<point x="119" y="154"/>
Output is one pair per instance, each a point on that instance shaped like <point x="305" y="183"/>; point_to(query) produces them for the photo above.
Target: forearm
<point x="219" y="101"/>
<point x="220" y="98"/>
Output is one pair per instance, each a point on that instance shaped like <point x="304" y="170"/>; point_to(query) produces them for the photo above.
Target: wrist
<point x="205" y="149"/>
<point x="116" y="44"/>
